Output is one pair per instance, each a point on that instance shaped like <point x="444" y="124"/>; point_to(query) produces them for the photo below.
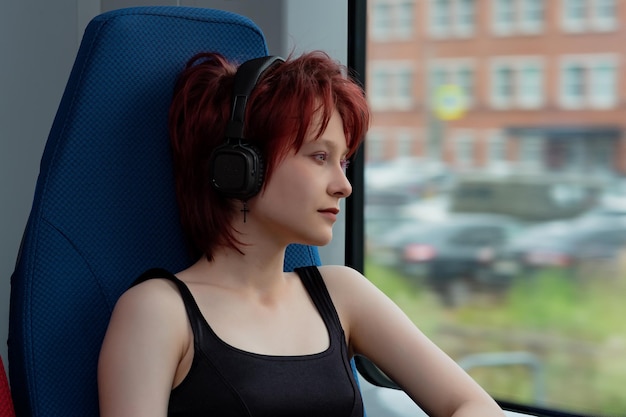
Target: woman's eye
<point x="321" y="157"/>
<point x="345" y="163"/>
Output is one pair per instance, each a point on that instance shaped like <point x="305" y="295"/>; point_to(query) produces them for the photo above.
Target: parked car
<point x="612" y="206"/>
<point x="450" y="255"/>
<point x="570" y="245"/>
<point x="531" y="197"/>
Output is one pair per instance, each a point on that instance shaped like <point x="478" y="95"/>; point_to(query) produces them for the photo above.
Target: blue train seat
<point x="104" y="208"/>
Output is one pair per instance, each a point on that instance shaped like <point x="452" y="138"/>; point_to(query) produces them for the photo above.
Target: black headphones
<point x="237" y="167"/>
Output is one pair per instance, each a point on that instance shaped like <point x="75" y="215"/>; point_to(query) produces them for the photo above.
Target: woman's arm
<point x="143" y="345"/>
<point x="379" y="330"/>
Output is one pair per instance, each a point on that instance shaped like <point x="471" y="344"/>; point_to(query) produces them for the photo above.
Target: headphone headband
<point x="246" y="78"/>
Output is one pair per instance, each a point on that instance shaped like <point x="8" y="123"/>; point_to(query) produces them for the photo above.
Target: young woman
<point x="234" y="335"/>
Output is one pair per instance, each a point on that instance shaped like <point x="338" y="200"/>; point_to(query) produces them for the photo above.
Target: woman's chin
<point x="318" y="240"/>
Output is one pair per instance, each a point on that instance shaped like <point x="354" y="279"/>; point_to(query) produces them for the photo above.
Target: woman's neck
<point x="258" y="269"/>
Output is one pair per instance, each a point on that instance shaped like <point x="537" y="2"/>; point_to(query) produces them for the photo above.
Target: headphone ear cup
<point x="237" y="167"/>
<point x="237" y="170"/>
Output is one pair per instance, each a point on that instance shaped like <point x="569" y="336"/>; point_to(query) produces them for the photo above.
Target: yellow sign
<point x="450" y="102"/>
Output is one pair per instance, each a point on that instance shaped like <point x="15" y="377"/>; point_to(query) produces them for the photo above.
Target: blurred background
<point x="495" y="205"/>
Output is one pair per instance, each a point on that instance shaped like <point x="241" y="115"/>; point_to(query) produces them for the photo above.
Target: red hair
<point x="280" y="115"/>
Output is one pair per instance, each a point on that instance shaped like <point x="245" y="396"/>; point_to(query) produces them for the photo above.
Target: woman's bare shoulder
<point x="338" y="271"/>
<point x="143" y="346"/>
<point x="155" y="299"/>
<point x="348" y="287"/>
<point x="342" y="278"/>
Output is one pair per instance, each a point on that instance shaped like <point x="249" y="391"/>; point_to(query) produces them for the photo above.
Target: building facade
<point x="499" y="85"/>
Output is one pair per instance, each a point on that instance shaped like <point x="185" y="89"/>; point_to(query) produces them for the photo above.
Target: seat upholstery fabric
<point x="104" y="208"/>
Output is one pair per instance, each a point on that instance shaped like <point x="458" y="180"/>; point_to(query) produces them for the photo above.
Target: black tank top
<point x="225" y="381"/>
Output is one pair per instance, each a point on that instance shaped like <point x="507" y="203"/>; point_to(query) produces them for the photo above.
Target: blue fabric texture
<point x="104" y="208"/>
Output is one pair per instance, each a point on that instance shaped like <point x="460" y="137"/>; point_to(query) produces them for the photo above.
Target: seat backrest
<point x="104" y="208"/>
<point x="6" y="403"/>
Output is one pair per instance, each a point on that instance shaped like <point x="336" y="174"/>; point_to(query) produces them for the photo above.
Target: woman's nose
<point x="340" y="186"/>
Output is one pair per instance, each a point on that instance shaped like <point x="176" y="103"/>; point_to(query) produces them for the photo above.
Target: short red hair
<point x="279" y="115"/>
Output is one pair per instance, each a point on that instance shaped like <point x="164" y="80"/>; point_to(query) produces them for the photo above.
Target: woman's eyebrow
<point x="332" y="145"/>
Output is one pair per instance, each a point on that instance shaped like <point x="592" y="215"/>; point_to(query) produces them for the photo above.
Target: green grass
<point x="553" y="301"/>
<point x="574" y="325"/>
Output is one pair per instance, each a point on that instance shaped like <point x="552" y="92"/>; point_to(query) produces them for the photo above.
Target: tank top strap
<point x="316" y="287"/>
<point x="191" y="307"/>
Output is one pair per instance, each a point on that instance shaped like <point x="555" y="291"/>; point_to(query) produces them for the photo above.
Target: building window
<point x="574" y="85"/>
<point x="465" y="18"/>
<point x="496" y="151"/>
<point x="504" y="82"/>
<point x="530" y="85"/>
<point x="603" y="81"/>
<point x="517" y="16"/>
<point x="601" y="156"/>
<point x="589" y="15"/>
<point x="604" y="15"/>
<point x="517" y="82"/>
<point x="439" y="18"/>
<point x="531" y="152"/>
<point x="452" y="18"/>
<point x="502" y="86"/>
<point x="391" y="86"/>
<point x="576" y="155"/>
<point x="438" y="77"/>
<point x="374" y="146"/>
<point x="404" y="87"/>
<point x="574" y="15"/>
<point x="379" y="88"/>
<point x="381" y="20"/>
<point x="392" y="19"/>
<point x="405" y="18"/>
<point x="465" y="80"/>
<point x="531" y="16"/>
<point x="589" y="81"/>
<point x="503" y="17"/>
<point x="405" y="142"/>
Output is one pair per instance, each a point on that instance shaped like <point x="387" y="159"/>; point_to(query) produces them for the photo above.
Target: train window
<point x="495" y="190"/>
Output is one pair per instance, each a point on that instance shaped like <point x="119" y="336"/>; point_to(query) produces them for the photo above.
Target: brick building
<point x="499" y="85"/>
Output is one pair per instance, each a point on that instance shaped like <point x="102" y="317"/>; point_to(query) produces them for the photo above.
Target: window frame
<point x="395" y="25"/>
<point x="447" y="18"/>
<point x="589" y="64"/>
<point x="391" y="82"/>
<point x="518" y="97"/>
